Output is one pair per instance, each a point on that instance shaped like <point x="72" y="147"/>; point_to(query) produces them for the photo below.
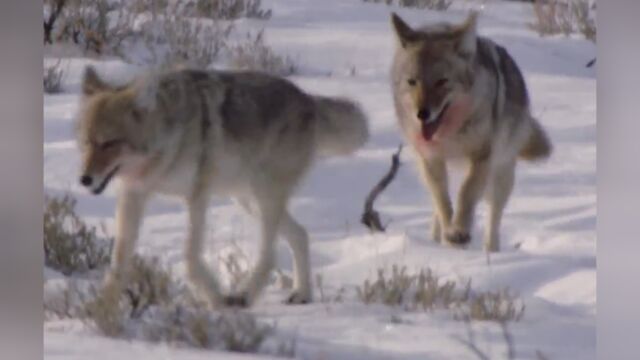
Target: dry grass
<point x="427" y="291"/>
<point x="564" y="17"/>
<point x="254" y="54"/>
<point x="438" y="5"/>
<point x="500" y="306"/>
<point x="162" y="33"/>
<point x="53" y="76"/>
<point x="157" y="308"/>
<point x="232" y="9"/>
<point x="71" y="245"/>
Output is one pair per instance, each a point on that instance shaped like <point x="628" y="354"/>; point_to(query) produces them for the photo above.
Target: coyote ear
<point x="466" y="35"/>
<point x="404" y="32"/>
<point x="92" y="83"/>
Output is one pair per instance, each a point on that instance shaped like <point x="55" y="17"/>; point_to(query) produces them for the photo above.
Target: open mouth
<point x="106" y="181"/>
<point x="429" y="127"/>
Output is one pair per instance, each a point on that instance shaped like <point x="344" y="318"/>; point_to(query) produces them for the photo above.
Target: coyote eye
<point x="110" y="143"/>
<point x="412" y="82"/>
<point x="441" y="82"/>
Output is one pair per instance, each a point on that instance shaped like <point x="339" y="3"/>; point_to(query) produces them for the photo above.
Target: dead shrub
<point x="500" y="306"/>
<point x="232" y="9"/>
<point x="438" y="5"/>
<point x="155" y="307"/>
<point x="423" y="290"/>
<point x="254" y="54"/>
<point x="53" y="76"/>
<point x="426" y="291"/>
<point x="564" y="17"/>
<point x="71" y="245"/>
<point x="86" y="23"/>
<point x="193" y="43"/>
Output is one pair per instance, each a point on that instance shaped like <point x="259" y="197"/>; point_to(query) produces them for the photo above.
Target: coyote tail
<point x="341" y="126"/>
<point x="538" y="146"/>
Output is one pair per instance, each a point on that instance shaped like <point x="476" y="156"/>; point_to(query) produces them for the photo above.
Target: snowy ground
<point x="548" y="232"/>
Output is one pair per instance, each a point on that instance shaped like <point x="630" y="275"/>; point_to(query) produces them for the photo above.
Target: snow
<point x="548" y="230"/>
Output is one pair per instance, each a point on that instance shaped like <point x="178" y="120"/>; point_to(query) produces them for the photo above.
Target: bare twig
<point x="54" y="12"/>
<point x="370" y="217"/>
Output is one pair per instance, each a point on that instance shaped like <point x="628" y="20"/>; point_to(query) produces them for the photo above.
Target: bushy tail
<point x="538" y="145"/>
<point x="341" y="126"/>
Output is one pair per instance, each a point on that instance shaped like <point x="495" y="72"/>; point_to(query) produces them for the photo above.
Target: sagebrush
<point x="425" y="290"/>
<point x="52" y="80"/>
<point x="191" y="33"/>
<point x="254" y="54"/>
<point x="565" y="17"/>
<point x="438" y="5"/>
<point x="70" y="244"/>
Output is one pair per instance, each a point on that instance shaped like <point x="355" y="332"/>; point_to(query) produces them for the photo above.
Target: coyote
<point x="460" y="95"/>
<point x="191" y="134"/>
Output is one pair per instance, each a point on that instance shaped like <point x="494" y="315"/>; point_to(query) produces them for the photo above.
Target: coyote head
<point x="111" y="129"/>
<point x="433" y="65"/>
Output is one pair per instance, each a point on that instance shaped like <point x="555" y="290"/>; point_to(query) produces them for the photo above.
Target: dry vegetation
<point x="154" y="306"/>
<point x="71" y="245"/>
<point x="438" y="5"/>
<point x="188" y="33"/>
<point x="427" y="291"/>
<point x="232" y="9"/>
<point x="53" y="75"/>
<point x="565" y="17"/>
<point x="254" y="54"/>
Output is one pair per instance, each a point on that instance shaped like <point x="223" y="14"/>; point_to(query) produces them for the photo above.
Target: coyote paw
<point x="458" y="237"/>
<point x="236" y="301"/>
<point x="297" y="298"/>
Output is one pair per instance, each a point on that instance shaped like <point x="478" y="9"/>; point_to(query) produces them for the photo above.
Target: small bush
<point x="232" y="9"/>
<point x="70" y="245"/>
<point x="155" y="307"/>
<point x="564" y="17"/>
<point x="254" y="54"/>
<point x="53" y="76"/>
<point x="424" y="290"/>
<point x="438" y="5"/>
<point x="427" y="291"/>
<point x="193" y="43"/>
<point x="86" y="23"/>
<point x="500" y="306"/>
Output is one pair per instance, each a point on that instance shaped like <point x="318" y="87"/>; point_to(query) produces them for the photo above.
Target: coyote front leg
<point x="501" y="187"/>
<point x="470" y="192"/>
<point x="198" y="273"/>
<point x="129" y="211"/>
<point x="434" y="174"/>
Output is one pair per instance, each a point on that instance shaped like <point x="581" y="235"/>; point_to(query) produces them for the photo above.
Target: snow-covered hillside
<point x="345" y="48"/>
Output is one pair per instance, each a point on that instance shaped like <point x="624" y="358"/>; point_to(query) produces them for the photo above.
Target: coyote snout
<point x="100" y="165"/>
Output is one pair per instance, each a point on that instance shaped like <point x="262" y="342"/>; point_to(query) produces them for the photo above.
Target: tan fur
<point x="461" y="96"/>
<point x="192" y="134"/>
<point x="538" y="145"/>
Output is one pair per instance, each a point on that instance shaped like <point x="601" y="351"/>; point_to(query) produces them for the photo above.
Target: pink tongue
<point x="428" y="130"/>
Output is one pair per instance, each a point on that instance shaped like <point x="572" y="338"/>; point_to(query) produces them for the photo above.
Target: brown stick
<point x="56" y="9"/>
<point x="370" y="217"/>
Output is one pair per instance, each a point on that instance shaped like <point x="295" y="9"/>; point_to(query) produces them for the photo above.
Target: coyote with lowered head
<point x="195" y="133"/>
<point x="460" y="95"/>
